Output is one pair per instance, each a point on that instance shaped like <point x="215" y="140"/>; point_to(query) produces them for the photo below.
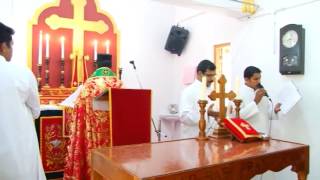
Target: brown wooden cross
<point x="222" y="95"/>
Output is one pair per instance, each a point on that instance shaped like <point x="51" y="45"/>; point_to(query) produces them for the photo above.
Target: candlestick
<point x="237" y="102"/>
<point x="47" y="73"/>
<point x="217" y="83"/>
<point x="39" y="76"/>
<point x="40" y="48"/>
<point x="95" y="50"/>
<point x="62" y="47"/>
<point x="203" y="88"/>
<point x="202" y="122"/>
<point x="107" y="46"/>
<point x="62" y="73"/>
<point x="47" y="45"/>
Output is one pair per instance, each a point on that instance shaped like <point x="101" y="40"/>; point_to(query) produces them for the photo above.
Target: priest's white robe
<point x="259" y="115"/>
<point x="19" y="105"/>
<point x="189" y="111"/>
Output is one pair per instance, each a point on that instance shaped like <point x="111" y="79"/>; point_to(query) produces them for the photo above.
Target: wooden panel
<point x="130" y="116"/>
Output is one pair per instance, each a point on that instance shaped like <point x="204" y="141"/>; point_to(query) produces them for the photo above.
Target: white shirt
<point x="19" y="105"/>
<point x="189" y="110"/>
<point x="258" y="115"/>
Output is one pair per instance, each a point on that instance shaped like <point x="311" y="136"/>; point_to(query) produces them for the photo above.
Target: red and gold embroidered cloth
<point x="89" y="129"/>
<point x="241" y="129"/>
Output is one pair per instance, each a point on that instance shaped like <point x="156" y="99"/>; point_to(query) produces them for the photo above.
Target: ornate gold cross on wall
<point x="79" y="25"/>
<point x="220" y="131"/>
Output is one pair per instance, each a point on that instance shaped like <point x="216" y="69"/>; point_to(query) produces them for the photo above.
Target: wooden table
<point x="191" y="159"/>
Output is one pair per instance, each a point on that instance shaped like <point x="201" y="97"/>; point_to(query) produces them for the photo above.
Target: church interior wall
<point x="262" y="49"/>
<point x="255" y="41"/>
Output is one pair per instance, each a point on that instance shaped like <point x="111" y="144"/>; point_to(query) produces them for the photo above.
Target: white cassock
<point x="19" y="106"/>
<point x="259" y="115"/>
<point x="189" y="111"/>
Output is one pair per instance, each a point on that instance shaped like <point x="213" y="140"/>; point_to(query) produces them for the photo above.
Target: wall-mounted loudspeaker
<point x="177" y="40"/>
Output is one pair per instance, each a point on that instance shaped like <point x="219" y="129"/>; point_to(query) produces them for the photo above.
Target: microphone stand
<point x="138" y="79"/>
<point x="157" y="131"/>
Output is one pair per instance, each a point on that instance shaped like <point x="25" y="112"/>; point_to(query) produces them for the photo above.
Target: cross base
<point x="205" y="138"/>
<point x="220" y="132"/>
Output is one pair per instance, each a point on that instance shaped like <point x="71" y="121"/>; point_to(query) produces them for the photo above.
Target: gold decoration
<point x="248" y="7"/>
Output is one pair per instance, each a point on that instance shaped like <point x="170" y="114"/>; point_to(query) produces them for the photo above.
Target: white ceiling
<point x="228" y="7"/>
<point x="233" y="8"/>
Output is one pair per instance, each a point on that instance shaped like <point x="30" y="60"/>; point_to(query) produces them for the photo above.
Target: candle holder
<point x="62" y="73"/>
<point x="39" y="76"/>
<point x="94" y="65"/>
<point x="202" y="122"/>
<point x="237" y="102"/>
<point x="47" y="73"/>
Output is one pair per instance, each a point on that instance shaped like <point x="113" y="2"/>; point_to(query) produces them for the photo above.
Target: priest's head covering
<point x="103" y="71"/>
<point x="104" y="60"/>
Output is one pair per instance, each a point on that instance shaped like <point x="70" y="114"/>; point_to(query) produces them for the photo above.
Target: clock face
<point x="290" y="39"/>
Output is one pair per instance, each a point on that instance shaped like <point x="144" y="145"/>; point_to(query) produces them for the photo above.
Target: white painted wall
<point x="206" y="30"/>
<point x="255" y="42"/>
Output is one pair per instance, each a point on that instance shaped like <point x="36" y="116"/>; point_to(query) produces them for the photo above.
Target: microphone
<point x="120" y="73"/>
<point x="134" y="66"/>
<point x="266" y="94"/>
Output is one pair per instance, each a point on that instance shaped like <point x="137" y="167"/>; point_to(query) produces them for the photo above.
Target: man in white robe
<point x="256" y="106"/>
<point x="19" y="106"/>
<point x="189" y="107"/>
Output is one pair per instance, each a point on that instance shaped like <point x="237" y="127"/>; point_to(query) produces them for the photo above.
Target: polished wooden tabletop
<point x="156" y="159"/>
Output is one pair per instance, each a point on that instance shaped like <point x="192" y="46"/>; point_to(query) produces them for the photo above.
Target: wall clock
<point x="292" y="49"/>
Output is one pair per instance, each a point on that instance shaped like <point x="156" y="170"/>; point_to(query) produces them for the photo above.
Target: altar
<point x="221" y="159"/>
<point x="130" y="123"/>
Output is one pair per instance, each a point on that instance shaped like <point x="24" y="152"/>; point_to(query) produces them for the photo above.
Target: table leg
<point x="302" y="175"/>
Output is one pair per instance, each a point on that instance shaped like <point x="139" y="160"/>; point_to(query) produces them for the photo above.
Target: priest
<point x="189" y="107"/>
<point x="19" y="106"/>
<point x="90" y="125"/>
<point x="256" y="106"/>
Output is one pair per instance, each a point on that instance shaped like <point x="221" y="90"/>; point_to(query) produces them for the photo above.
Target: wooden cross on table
<point x="220" y="131"/>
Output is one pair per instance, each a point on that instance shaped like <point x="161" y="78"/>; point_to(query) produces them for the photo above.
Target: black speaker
<point x="177" y="39"/>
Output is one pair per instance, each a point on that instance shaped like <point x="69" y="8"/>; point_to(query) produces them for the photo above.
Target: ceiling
<point x="229" y="7"/>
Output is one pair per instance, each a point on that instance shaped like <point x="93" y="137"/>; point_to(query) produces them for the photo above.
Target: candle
<point x="237" y="87"/>
<point x="95" y="50"/>
<point x="47" y="45"/>
<point x="203" y="88"/>
<point x="40" y="49"/>
<point x="217" y="83"/>
<point x="62" y="47"/>
<point x="107" y="46"/>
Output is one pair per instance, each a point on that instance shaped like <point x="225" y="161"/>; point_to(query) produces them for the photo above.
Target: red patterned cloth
<point x="89" y="129"/>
